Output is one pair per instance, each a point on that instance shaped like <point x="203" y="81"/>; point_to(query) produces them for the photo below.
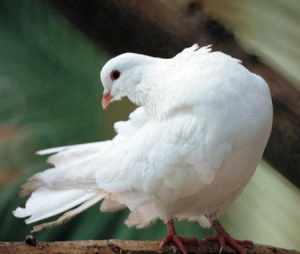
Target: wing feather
<point x="163" y="158"/>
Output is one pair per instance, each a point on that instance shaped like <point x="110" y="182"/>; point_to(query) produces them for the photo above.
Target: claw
<point x="223" y="238"/>
<point x="179" y="242"/>
<point x="173" y="238"/>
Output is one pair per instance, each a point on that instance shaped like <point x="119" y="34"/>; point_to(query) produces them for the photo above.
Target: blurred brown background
<point x="51" y="55"/>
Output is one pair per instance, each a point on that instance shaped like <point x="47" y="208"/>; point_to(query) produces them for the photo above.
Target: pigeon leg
<point x="224" y="238"/>
<point x="178" y="241"/>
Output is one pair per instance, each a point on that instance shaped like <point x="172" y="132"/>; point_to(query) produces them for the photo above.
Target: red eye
<point x="115" y="75"/>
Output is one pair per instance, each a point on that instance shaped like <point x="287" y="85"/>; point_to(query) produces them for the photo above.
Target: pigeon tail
<point x="45" y="203"/>
<point x="54" y="191"/>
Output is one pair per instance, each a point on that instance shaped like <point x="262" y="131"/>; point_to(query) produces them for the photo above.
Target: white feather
<point x="108" y="205"/>
<point x="57" y="201"/>
<point x="187" y="152"/>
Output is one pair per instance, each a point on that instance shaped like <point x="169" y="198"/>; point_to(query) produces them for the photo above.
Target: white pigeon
<point x="186" y="153"/>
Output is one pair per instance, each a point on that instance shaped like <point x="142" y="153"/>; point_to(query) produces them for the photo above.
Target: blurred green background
<point x="50" y="96"/>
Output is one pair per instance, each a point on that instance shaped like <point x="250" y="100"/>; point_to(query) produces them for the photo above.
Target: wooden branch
<point x="122" y="247"/>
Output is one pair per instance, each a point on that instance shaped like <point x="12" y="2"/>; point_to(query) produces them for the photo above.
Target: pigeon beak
<point x="106" y="99"/>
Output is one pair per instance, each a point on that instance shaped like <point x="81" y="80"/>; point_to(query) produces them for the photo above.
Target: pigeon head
<point x="121" y="76"/>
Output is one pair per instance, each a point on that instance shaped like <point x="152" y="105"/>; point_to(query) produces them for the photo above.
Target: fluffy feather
<point x="58" y="201"/>
<point x="186" y="152"/>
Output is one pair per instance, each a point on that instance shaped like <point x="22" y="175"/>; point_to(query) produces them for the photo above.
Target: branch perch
<point x="122" y="247"/>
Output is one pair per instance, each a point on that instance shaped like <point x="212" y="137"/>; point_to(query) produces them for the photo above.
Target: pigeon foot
<point x="224" y="238"/>
<point x="178" y="241"/>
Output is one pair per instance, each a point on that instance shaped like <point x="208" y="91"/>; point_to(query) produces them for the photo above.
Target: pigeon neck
<point x="150" y="92"/>
<point x="143" y="90"/>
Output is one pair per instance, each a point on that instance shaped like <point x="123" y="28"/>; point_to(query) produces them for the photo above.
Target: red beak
<point x="106" y="99"/>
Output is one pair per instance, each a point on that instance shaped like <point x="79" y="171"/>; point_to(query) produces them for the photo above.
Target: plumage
<point x="187" y="151"/>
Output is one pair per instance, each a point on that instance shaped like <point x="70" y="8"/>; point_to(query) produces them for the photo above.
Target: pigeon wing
<point x="164" y="157"/>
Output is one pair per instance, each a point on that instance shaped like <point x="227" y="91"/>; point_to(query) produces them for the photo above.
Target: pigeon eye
<point x="115" y="75"/>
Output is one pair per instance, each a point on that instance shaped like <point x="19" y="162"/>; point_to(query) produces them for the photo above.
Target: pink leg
<point x="223" y="238"/>
<point x="178" y="241"/>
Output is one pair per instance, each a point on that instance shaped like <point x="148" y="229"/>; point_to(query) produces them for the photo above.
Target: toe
<point x="236" y="245"/>
<point x="245" y="243"/>
<point x="179" y="244"/>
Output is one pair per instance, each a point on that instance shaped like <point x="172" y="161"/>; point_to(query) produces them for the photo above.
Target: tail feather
<point x="71" y="154"/>
<point x="64" y="148"/>
<point x="45" y="203"/>
<point x="68" y="215"/>
<point x="109" y="205"/>
<point x="30" y="186"/>
<point x="65" y="186"/>
<point x="69" y="187"/>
